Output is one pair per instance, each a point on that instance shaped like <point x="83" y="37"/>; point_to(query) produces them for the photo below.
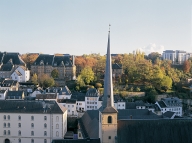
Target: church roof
<point x="89" y="123"/>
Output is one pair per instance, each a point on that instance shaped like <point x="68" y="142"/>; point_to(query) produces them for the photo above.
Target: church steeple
<point x="108" y="99"/>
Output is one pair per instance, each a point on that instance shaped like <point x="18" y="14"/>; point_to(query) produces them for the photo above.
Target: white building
<point x="3" y="94"/>
<point x="64" y="93"/>
<point x="32" y="121"/>
<point x="172" y="104"/>
<point x="70" y="104"/>
<point x="91" y="99"/>
<point x="21" y="74"/>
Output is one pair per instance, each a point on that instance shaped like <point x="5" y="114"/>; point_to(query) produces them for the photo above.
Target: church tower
<point x="108" y="113"/>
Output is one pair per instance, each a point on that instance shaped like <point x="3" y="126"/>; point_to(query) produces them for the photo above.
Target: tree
<point x="55" y="73"/>
<point x="46" y="81"/>
<point x="34" y="79"/>
<point x="166" y="83"/>
<point x="87" y="75"/>
<point x="154" y="56"/>
<point x="29" y="58"/>
<point x="186" y="66"/>
<point x="98" y="85"/>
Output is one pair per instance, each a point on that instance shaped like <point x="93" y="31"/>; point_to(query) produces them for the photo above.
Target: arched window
<point x="32" y="140"/>
<point x="45" y="117"/>
<point x="4" y="117"/>
<point x="19" y="117"/>
<point x="9" y="132"/>
<point x="19" y="125"/>
<point x="57" y="126"/>
<point x="45" y="140"/>
<point x="57" y="118"/>
<point x="8" y="125"/>
<point x="8" y="117"/>
<point x="4" y="132"/>
<point x="19" y="140"/>
<point x="45" y="125"/>
<point x="32" y="125"/>
<point x="32" y="117"/>
<point x="4" y="125"/>
<point x="109" y="119"/>
<point x="57" y="133"/>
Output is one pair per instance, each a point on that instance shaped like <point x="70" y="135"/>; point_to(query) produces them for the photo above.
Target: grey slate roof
<point x="88" y="140"/>
<point x="65" y="90"/>
<point x="45" y="59"/>
<point x="169" y="114"/>
<point x="89" y="123"/>
<point x="154" y="131"/>
<point x="92" y="92"/>
<point x="14" y="95"/>
<point x="78" y="96"/>
<point x="46" y="96"/>
<point x="116" y="66"/>
<point x="8" y="83"/>
<point x="69" y="101"/>
<point x="26" y="106"/>
<point x="136" y="114"/>
<point x="14" y="57"/>
<point x="53" y="60"/>
<point x="172" y="101"/>
<point x="162" y="104"/>
<point x="6" y="67"/>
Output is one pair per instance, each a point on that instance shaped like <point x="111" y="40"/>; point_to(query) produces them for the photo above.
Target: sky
<point x="79" y="27"/>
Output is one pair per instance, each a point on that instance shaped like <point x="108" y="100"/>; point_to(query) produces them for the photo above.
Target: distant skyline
<point x="81" y="26"/>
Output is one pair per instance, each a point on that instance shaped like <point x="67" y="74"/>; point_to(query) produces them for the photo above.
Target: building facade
<point x="31" y="122"/>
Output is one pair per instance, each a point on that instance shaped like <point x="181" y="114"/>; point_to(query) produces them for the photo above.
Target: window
<point x="109" y="137"/>
<point x="57" y="133"/>
<point x="32" y="140"/>
<point x="45" y="117"/>
<point x="45" y="133"/>
<point x="45" y="140"/>
<point x="9" y="132"/>
<point x="8" y="117"/>
<point x="19" y="117"/>
<point x="57" y="118"/>
<point x="4" y="117"/>
<point x="4" y="125"/>
<point x="57" y="126"/>
<point x="45" y="125"/>
<point x="68" y="110"/>
<point x="19" y="140"/>
<point x="79" y="134"/>
<point x="4" y="132"/>
<point x="32" y="125"/>
<point x="72" y="105"/>
<point x="19" y="125"/>
<point x="19" y="133"/>
<point x="68" y="105"/>
<point x="32" y="117"/>
<point x="8" y="125"/>
<point x="32" y="133"/>
<point x="109" y="119"/>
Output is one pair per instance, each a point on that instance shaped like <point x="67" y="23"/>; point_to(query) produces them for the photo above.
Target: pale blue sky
<point x="81" y="26"/>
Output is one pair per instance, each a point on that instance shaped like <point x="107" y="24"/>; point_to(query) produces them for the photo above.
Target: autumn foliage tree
<point x="186" y="66"/>
<point x="46" y="81"/>
<point x="29" y="58"/>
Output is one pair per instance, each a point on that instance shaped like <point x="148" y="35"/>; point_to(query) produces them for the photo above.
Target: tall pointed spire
<point x="108" y="100"/>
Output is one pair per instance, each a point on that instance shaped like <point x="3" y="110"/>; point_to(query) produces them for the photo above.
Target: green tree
<point x="55" y="73"/>
<point x="46" y="81"/>
<point x="87" y="75"/>
<point x="166" y="83"/>
<point x="34" y="79"/>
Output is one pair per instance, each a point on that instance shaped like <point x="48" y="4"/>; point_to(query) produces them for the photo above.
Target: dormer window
<point x="41" y="63"/>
